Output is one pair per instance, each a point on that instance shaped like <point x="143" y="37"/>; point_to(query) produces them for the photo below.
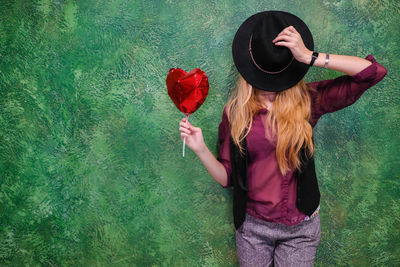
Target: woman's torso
<point x="271" y="195"/>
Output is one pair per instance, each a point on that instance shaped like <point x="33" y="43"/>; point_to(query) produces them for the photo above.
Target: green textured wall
<point x="90" y="153"/>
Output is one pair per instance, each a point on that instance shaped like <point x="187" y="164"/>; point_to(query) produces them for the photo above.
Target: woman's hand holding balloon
<point x="194" y="136"/>
<point x="195" y="141"/>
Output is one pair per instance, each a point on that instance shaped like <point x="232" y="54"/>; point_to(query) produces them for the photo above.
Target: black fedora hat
<point x="263" y="64"/>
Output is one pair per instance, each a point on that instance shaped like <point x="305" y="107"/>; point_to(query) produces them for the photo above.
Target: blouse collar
<point x="262" y="110"/>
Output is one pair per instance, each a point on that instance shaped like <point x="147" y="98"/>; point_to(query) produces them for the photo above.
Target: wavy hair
<point x="288" y="118"/>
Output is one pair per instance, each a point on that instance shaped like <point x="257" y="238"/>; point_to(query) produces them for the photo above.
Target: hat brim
<point x="256" y="77"/>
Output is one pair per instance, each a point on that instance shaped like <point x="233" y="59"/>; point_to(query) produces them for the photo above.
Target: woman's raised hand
<point x="350" y="65"/>
<point x="290" y="38"/>
<point x="194" y="136"/>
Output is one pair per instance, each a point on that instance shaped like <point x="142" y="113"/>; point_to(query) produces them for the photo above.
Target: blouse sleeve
<point x="336" y="94"/>
<point x="224" y="146"/>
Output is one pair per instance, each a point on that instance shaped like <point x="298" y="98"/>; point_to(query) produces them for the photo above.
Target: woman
<point x="266" y="143"/>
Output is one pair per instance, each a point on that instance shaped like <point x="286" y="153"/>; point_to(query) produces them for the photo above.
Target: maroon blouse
<point x="272" y="196"/>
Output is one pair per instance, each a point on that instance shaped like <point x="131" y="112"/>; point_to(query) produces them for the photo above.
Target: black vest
<point x="308" y="195"/>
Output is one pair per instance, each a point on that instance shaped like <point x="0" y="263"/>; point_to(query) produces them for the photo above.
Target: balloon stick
<point x="184" y="139"/>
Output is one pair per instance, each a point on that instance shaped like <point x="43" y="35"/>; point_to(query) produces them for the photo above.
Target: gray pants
<point x="262" y="243"/>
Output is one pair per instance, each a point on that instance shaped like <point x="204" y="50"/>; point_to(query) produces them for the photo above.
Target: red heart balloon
<point x="187" y="90"/>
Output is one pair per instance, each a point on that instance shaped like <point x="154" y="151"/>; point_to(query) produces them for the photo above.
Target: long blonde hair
<point x="288" y="119"/>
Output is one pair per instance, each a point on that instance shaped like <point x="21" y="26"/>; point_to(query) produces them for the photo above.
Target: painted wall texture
<point x="90" y="153"/>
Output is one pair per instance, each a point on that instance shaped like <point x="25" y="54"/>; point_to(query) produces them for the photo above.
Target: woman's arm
<point x="349" y="65"/>
<point x="334" y="94"/>
<point x="195" y="141"/>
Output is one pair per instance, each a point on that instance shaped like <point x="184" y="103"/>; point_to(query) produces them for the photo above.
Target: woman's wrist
<point x="319" y="61"/>
<point x="201" y="149"/>
<point x="307" y="56"/>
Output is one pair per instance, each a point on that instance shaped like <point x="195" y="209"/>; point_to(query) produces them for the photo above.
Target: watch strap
<point x="313" y="57"/>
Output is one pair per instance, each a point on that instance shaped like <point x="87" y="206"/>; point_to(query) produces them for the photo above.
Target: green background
<point x="90" y="154"/>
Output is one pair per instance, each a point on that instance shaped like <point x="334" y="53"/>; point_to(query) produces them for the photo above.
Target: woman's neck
<point x="265" y="99"/>
<point x="265" y="104"/>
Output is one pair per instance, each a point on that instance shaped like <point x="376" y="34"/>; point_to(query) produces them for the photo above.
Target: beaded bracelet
<point x="312" y="215"/>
